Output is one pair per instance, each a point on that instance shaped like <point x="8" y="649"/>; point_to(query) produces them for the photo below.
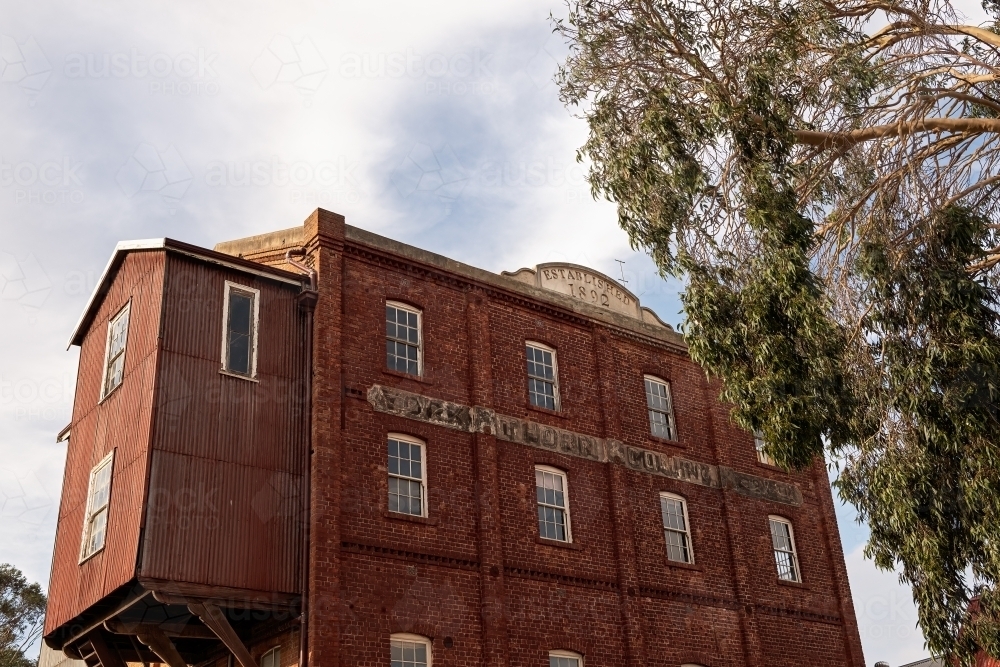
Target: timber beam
<point x="161" y="645"/>
<point x="215" y="619"/>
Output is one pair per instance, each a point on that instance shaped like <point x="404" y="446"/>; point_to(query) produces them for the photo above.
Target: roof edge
<point x="508" y="283"/>
<point x="122" y="248"/>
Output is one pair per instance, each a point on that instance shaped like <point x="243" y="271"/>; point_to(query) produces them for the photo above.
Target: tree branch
<point x="842" y="140"/>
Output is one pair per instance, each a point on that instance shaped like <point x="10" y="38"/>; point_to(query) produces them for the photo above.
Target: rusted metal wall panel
<point x="229" y="452"/>
<point x="215" y="523"/>
<point x="122" y="423"/>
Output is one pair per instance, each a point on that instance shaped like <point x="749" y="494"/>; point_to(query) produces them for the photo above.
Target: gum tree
<point x="823" y="175"/>
<point x="22" y="611"/>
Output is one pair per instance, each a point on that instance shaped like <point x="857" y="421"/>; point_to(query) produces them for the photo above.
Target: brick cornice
<point x="384" y="258"/>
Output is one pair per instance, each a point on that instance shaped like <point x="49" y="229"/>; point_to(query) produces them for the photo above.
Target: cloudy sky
<point x="434" y="123"/>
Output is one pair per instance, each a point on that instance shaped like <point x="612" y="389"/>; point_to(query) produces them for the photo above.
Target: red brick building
<point x="425" y="462"/>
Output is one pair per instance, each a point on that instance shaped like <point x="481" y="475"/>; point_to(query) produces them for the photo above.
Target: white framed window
<point x="114" y="351"/>
<point x="785" y="557"/>
<point x="95" y="518"/>
<point x="565" y="659"/>
<point x="759" y="443"/>
<point x="240" y="318"/>
<point x="410" y="650"/>
<point x="552" y="495"/>
<point x="403" y="338"/>
<point x="543" y="376"/>
<point x="272" y="658"/>
<point x="660" y="407"/>
<point x="676" y="528"/>
<point x="407" y="476"/>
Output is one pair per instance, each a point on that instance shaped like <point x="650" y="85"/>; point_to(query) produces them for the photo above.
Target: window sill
<point x="694" y="567"/>
<point x="410" y="518"/>
<point x="666" y="441"/>
<point x="557" y="543"/>
<point x="793" y="584"/>
<point x="772" y="468"/>
<point x="112" y="392"/>
<point x="545" y="411"/>
<point x="89" y="556"/>
<point x="407" y="376"/>
<point x="223" y="371"/>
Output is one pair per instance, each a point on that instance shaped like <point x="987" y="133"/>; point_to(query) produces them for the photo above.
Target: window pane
<point x="402" y="331"/>
<point x="784" y="550"/>
<point x="97" y="528"/>
<point x="661" y="422"/>
<point x="116" y="369"/>
<point x="551" y="498"/>
<point x="408" y="654"/>
<point x="119" y="331"/>
<point x="677" y="547"/>
<point x="101" y="488"/>
<point x="541" y="377"/>
<point x="405" y="469"/>
<point x="239" y="332"/>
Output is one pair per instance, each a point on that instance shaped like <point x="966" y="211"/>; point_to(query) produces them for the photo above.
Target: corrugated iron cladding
<point x="228" y="453"/>
<point x="121" y="423"/>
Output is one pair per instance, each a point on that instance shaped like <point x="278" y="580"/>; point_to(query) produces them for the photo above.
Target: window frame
<point x="416" y="639"/>
<point x="565" y="508"/>
<point x="563" y="653"/>
<point x="254" y="329"/>
<point x="689" y="543"/>
<point x="90" y="512"/>
<point x="671" y="417"/>
<point x="125" y="310"/>
<point x="410" y="440"/>
<point x="556" y="393"/>
<point x="758" y="444"/>
<point x="400" y="305"/>
<point x="774" y="518"/>
<point x="274" y="650"/>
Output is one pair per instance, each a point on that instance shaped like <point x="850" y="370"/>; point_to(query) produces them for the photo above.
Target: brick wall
<point x="473" y="576"/>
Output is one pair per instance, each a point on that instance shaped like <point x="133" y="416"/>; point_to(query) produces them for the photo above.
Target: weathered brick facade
<point x="474" y="576"/>
<point x="264" y="489"/>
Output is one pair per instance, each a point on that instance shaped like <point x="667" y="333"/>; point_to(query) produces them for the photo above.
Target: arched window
<point x="785" y="556"/>
<point x="272" y="658"/>
<point x="565" y="659"/>
<point x="410" y="650"/>
<point x="407" y="468"/>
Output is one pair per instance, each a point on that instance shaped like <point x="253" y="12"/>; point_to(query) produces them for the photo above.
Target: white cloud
<point x="886" y="614"/>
